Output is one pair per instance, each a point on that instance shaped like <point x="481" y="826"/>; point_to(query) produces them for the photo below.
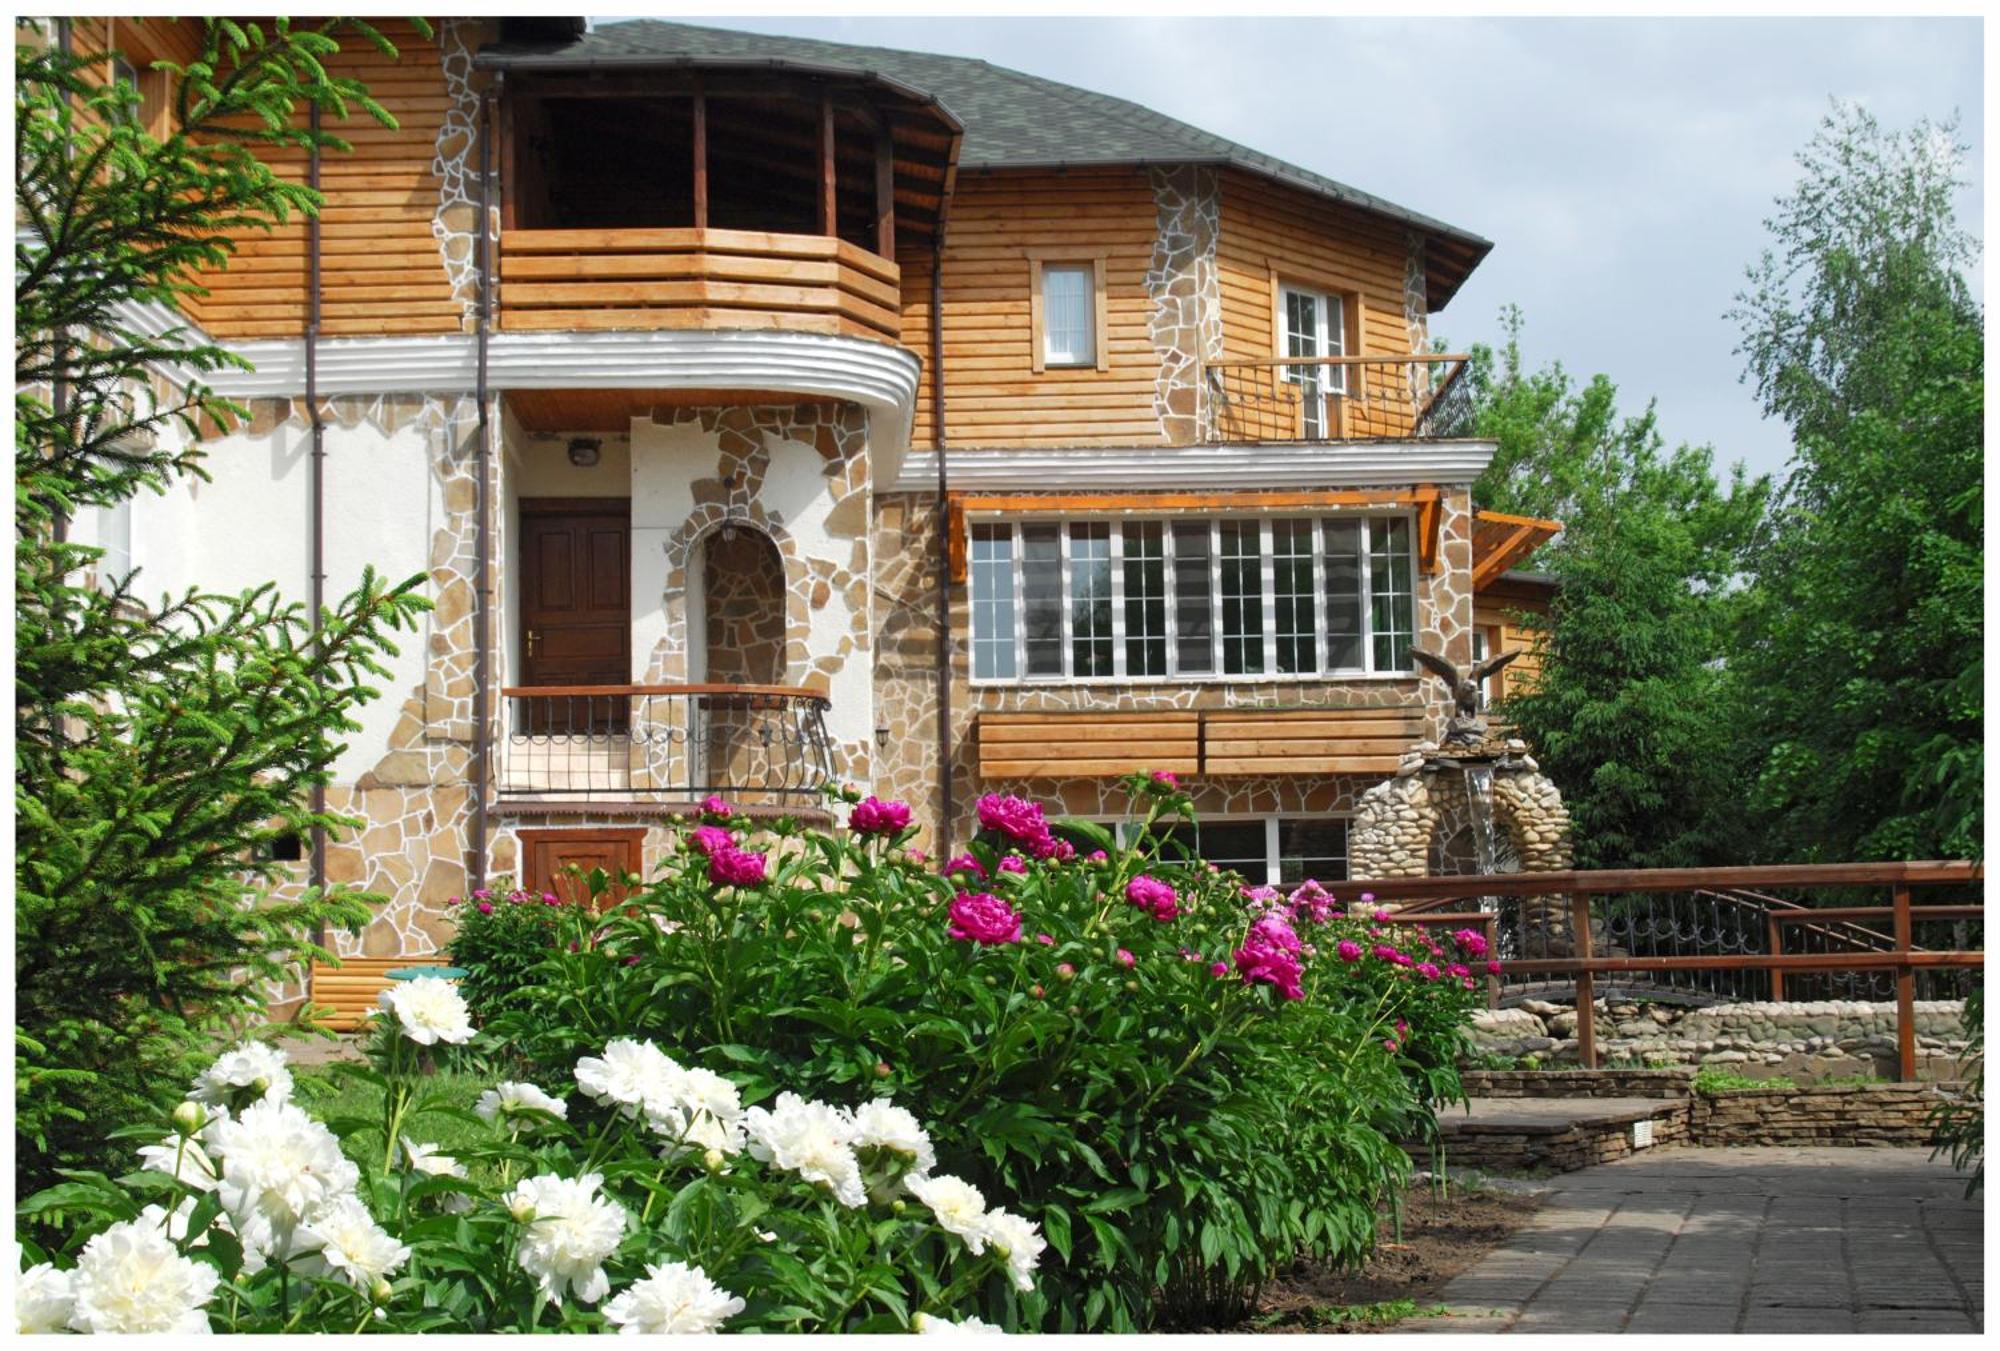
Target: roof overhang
<point x="1500" y="541"/>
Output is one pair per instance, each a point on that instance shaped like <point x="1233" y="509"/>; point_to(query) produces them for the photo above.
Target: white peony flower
<point x="512" y="1099"/>
<point x="251" y="1068"/>
<point x="568" y="1231"/>
<point x="881" y="1124"/>
<point x="636" y="1077"/>
<point x="1019" y="1241"/>
<point x="706" y="1091"/>
<point x="43" y="1301"/>
<point x="674" y="1297"/>
<point x="430" y="1160"/>
<point x="130" y="1278"/>
<point x="278" y="1165"/>
<point x="429" y="1010"/>
<point x="957" y="1205"/>
<point x="812" y="1139"/>
<point x="932" y="1326"/>
<point x="347" y="1243"/>
<point x="698" y="1134"/>
<point x="195" y="1169"/>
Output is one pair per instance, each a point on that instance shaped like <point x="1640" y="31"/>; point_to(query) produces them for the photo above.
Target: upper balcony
<point x="713" y="198"/>
<point x="1338" y="398"/>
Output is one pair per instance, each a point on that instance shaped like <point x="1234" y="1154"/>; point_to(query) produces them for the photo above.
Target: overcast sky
<point x="1623" y="168"/>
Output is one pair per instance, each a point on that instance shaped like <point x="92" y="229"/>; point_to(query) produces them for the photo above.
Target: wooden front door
<point x="576" y="613"/>
<point x="547" y="854"/>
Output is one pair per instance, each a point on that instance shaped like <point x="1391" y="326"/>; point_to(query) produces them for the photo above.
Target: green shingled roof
<point x="1011" y="120"/>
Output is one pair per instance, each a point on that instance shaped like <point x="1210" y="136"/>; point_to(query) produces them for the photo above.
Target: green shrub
<point x="1960" y="1120"/>
<point x="501" y="937"/>
<point x="1121" y="1059"/>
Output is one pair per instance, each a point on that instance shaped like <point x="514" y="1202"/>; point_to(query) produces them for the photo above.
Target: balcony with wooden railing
<point x="689" y="278"/>
<point x="1343" y="398"/>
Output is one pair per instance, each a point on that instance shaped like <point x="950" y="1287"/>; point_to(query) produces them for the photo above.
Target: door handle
<point x="531" y="642"/>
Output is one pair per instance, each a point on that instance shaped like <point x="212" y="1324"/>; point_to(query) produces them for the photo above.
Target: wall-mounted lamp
<point x="584" y="450"/>
<point x="881" y="733"/>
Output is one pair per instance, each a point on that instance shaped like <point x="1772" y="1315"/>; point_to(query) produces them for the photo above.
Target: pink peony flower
<point x="1165" y="779"/>
<point x="733" y="867"/>
<point x="1389" y="1044"/>
<point x="1065" y="970"/>
<point x="966" y="863"/>
<point x="1063" y="852"/>
<point x="1381" y="912"/>
<point x="451" y="900"/>
<point x="1096" y="856"/>
<point x="1468" y="982"/>
<point x="1349" y="950"/>
<point x="1125" y="957"/>
<point x="1218" y="968"/>
<point x="1493" y="968"/>
<point x="633" y="960"/>
<point x="483" y="894"/>
<point x="1019" y="820"/>
<point x="1401" y="1027"/>
<point x="486" y="907"/>
<point x="982" y="917"/>
<point x="1153" y="896"/>
<point x="1013" y="863"/>
<point x="1312" y="902"/>
<point x="1270" y="954"/>
<point x="1045" y="940"/>
<point x="1367" y="897"/>
<point x="708" y="839"/>
<point x="1386" y="953"/>
<point x="716" y="807"/>
<point x="873" y="816"/>
<point x="1471" y="942"/>
<point x="915" y="855"/>
<point x="1457" y="969"/>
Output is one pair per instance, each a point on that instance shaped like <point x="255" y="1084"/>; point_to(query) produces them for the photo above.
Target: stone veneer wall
<point x="1577" y="1083"/>
<point x="1855" y="1114"/>
<point x="905" y="598"/>
<point x="1181" y="281"/>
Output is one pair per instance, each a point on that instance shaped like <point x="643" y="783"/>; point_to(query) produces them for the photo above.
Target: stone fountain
<point x="1469" y="788"/>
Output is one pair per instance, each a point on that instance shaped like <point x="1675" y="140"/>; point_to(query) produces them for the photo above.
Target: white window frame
<point x="1329" y="339"/>
<point x="1123" y="828"/>
<point x="1216" y="675"/>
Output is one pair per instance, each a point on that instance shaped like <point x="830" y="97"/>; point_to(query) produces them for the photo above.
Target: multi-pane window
<point x="1191" y="598"/>
<point x="1313" y="324"/>
<point x="1277" y="850"/>
<point x="1069" y="314"/>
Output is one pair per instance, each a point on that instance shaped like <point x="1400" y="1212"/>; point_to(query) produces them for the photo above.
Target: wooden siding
<point x="993" y="395"/>
<point x="1086" y="745"/>
<point x="1499" y="616"/>
<point x="1210" y="742"/>
<point x="381" y="267"/>
<point x="355" y="987"/>
<point x="1267" y="228"/>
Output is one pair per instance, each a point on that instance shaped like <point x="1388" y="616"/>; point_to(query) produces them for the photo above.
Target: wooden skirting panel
<point x="355" y="987"/>
<point x="1211" y="742"/>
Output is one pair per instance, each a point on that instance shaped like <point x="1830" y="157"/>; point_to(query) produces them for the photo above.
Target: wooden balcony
<point x="1337" y="398"/>
<point x="689" y="278"/>
<point x="1214" y="743"/>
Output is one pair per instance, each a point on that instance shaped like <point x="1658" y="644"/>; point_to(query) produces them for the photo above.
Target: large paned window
<point x="1274" y="850"/>
<point x="1228" y="597"/>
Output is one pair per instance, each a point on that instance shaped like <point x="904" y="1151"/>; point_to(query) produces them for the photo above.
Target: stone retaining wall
<point x="1865" y="1114"/>
<point x="1508" y="1148"/>
<point x="1578" y="1083"/>
<point x="1827" y="1039"/>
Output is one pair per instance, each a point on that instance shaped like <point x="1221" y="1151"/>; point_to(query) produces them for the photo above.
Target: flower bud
<point x="1075" y="1010"/>
<point x="1131" y="987"/>
<point x="898" y="1206"/>
<point x="882" y="1070"/>
<point x="189" y="1117"/>
<point x="380" y="1291"/>
<point x="991" y="982"/>
<point x="712" y="1160"/>
<point x="1065" y="972"/>
<point x="522" y="1209"/>
<point x="1037" y="991"/>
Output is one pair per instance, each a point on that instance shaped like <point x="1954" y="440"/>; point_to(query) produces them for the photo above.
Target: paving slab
<point x="1702" y="1241"/>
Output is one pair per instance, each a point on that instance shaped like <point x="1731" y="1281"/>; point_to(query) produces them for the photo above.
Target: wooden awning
<point x="1500" y="542"/>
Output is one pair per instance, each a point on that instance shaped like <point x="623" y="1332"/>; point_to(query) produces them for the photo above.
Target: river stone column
<point x="1392" y="828"/>
<point x="1531" y="808"/>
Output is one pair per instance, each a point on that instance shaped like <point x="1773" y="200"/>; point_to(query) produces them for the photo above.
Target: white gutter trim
<point x="1323" y="464"/>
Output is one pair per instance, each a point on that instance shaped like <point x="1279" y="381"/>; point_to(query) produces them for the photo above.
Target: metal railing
<point x="755" y="744"/>
<point x="1338" y="398"/>
<point x="1705" y="935"/>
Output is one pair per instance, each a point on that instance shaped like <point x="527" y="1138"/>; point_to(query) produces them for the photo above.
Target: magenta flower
<point x="1349" y="950"/>
<point x="966" y="863"/>
<point x="1045" y="940"/>
<point x="1311" y="901"/>
<point x="1063" y="852"/>
<point x="1125" y="957"/>
<point x="1367" y="897"/>
<point x="1468" y="982"/>
<point x="1270" y="954"/>
<point x="733" y="867"/>
<point x="1013" y="863"/>
<point x="1386" y="953"/>
<point x="486" y="907"/>
<point x="873" y="816"/>
<point x="483" y="894"/>
<point x="1019" y="820"/>
<point x="1218" y="968"/>
<point x="1471" y="941"/>
<point x="1153" y="896"/>
<point x="633" y="960"/>
<point x="1389" y="1044"/>
<point x="982" y="917"/>
<point x="1096" y="856"/>
<point x="1401" y="1027"/>
<point x="1065" y="970"/>
<point x="706" y="840"/>
<point x="915" y="855"/>
<point x="1165" y="779"/>
<point x="1493" y="968"/>
<point x="1381" y="912"/>
<point x="451" y="900"/>
<point x="1457" y="969"/>
<point x="716" y="807"/>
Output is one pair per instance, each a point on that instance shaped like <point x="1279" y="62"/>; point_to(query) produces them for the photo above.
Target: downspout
<point x="314" y="291"/>
<point x="59" y="387"/>
<point x="482" y="598"/>
<point x="943" y="530"/>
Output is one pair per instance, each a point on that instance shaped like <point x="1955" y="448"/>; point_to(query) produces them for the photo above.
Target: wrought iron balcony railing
<point x="755" y="744"/>
<point x="1338" y="398"/>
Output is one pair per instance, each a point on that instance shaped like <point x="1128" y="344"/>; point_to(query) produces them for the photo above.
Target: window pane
<point x="1312" y="849"/>
<point x="992" y="567"/>
<point x="1090" y="598"/>
<point x="1242" y="598"/>
<point x="1194" y="619"/>
<point x="1343" y="595"/>
<point x="1041" y="596"/>
<point x="1392" y="607"/>
<point x="1302" y="339"/>
<point x="1334" y="339"/>
<point x="1145" y="598"/>
<point x="1292" y="568"/>
<point x="1069" y="308"/>
<point x="1234" y="845"/>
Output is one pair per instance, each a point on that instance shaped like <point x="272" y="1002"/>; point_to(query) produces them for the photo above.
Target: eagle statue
<point x="1466" y="727"/>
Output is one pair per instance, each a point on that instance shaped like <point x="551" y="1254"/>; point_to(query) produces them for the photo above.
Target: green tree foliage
<point x="1860" y="658"/>
<point x="159" y="748"/>
<point x="1631" y="714"/>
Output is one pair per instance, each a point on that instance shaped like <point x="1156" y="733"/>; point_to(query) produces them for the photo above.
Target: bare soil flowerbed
<point x="1402" y="1279"/>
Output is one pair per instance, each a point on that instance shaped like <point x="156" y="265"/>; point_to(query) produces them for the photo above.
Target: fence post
<point x="1586" y="983"/>
<point x="1906" y="992"/>
<point x="1777" y="950"/>
<point x="1492" y="927"/>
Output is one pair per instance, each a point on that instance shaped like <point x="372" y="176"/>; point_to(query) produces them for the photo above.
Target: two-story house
<point x="769" y="412"/>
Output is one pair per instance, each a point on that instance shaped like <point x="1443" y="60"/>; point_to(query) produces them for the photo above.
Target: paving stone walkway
<point x="1692" y="1240"/>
